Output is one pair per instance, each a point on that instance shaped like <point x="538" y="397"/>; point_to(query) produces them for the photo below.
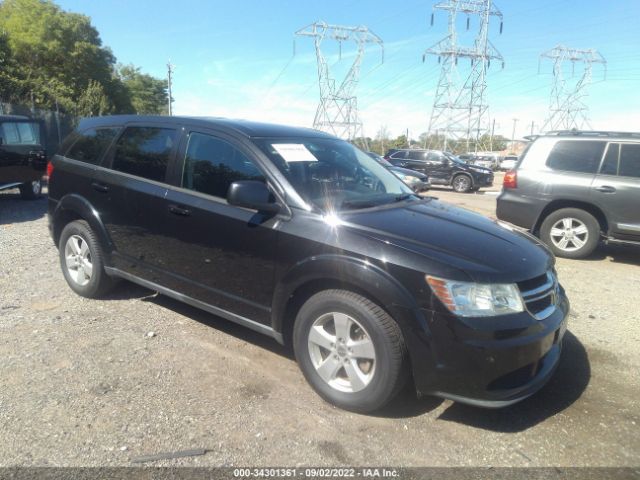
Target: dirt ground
<point x="86" y="383"/>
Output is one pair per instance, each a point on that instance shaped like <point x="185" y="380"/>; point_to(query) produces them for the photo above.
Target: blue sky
<point x="236" y="59"/>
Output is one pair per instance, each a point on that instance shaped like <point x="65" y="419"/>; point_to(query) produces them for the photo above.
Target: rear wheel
<point x="31" y="190"/>
<point x="570" y="232"/>
<point x="350" y="350"/>
<point x="81" y="259"/>
<point x="461" y="183"/>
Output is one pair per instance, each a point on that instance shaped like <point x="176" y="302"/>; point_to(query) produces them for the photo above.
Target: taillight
<point x="510" y="179"/>
<point x="49" y="169"/>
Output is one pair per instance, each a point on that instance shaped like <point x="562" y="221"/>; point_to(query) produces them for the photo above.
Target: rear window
<point x="92" y="144"/>
<point x="630" y="160"/>
<point x="20" y="133"/>
<point x="145" y="152"/>
<point x="576" y="156"/>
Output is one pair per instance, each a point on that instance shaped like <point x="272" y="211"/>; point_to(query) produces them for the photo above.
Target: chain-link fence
<point x="57" y="124"/>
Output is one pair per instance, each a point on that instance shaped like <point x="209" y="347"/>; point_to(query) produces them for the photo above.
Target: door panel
<point x="218" y="253"/>
<point x="616" y="189"/>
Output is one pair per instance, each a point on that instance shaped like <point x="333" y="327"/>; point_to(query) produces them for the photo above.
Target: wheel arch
<point x="327" y="272"/>
<point x="74" y="207"/>
<point x="466" y="174"/>
<point x="559" y="204"/>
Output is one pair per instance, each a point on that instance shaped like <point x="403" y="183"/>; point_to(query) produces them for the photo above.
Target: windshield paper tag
<point x="294" y="152"/>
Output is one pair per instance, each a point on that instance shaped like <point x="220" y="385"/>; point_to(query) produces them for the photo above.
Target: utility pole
<point x="513" y="135"/>
<point x="493" y="130"/>
<point x="337" y="112"/>
<point x="567" y="106"/>
<point x="460" y="109"/>
<point x="169" y="74"/>
<point x="533" y="124"/>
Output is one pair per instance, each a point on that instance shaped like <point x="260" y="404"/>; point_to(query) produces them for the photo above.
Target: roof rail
<point x="592" y="133"/>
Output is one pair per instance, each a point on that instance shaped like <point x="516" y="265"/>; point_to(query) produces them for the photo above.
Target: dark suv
<point x="443" y="168"/>
<point x="303" y="237"/>
<point x="573" y="188"/>
<point x="23" y="158"/>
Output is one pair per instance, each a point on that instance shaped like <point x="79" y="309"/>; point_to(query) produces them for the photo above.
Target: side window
<point x="212" y="164"/>
<point x="610" y="163"/>
<point x="92" y="144"/>
<point x="433" y="157"/>
<point x="416" y="155"/>
<point x="10" y="134"/>
<point x="576" y="156"/>
<point x="144" y="152"/>
<point x="28" y="133"/>
<point x="630" y="160"/>
<point x="398" y="155"/>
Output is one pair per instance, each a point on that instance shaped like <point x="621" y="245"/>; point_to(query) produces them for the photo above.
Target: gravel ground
<point x="100" y="382"/>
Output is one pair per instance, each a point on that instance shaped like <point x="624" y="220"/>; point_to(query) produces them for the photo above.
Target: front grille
<point x="540" y="295"/>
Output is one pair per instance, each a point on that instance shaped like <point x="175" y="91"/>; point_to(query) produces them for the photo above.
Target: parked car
<point x="443" y="168"/>
<point x="301" y="236"/>
<point x="508" y="162"/>
<point x="487" y="161"/>
<point x="23" y="158"/>
<point x="467" y="158"/>
<point x="572" y="188"/>
<point x="418" y="182"/>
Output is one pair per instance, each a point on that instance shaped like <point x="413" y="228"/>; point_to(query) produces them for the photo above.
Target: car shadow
<point x="564" y="388"/>
<point x="127" y="290"/>
<point x="616" y="253"/>
<point x="13" y="209"/>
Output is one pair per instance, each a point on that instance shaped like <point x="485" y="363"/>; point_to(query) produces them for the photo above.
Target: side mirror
<point x="252" y="194"/>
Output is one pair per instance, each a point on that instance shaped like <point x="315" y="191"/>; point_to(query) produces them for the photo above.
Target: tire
<point x="461" y="183"/>
<point x="81" y="260"/>
<point x="31" y="190"/>
<point x="570" y="233"/>
<point x="350" y="381"/>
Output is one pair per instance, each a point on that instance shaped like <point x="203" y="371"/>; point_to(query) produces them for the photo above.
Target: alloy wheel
<point x="342" y="352"/>
<point x="78" y="260"/>
<point x="569" y="234"/>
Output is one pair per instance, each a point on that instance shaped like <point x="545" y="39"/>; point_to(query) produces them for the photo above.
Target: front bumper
<point x="491" y="364"/>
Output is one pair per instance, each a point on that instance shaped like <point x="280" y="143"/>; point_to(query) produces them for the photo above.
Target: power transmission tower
<point x="460" y="109"/>
<point x="337" y="112"/>
<point x="567" y="103"/>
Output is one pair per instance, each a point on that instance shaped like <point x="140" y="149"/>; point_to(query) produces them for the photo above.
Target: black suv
<point x="442" y="168"/>
<point x="573" y="188"/>
<point x="303" y="237"/>
<point x="23" y="159"/>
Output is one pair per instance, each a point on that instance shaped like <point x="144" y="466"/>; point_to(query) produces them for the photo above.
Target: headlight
<point x="468" y="299"/>
<point x="409" y="179"/>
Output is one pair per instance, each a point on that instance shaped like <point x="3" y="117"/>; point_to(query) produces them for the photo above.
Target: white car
<point x="509" y="162"/>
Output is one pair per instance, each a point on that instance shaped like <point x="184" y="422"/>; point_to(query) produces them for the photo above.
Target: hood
<point x="447" y="238"/>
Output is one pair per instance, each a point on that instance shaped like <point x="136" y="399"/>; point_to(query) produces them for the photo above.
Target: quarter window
<point x="144" y="152"/>
<point x="610" y="163"/>
<point x="630" y="160"/>
<point x="92" y="144"/>
<point x="20" y="133"/>
<point x="211" y="165"/>
<point x="576" y="156"/>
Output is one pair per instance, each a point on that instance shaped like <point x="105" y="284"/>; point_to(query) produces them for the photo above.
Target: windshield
<point x="332" y="174"/>
<point x="452" y="157"/>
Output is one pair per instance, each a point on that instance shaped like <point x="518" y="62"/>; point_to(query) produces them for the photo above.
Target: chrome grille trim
<point x="550" y="289"/>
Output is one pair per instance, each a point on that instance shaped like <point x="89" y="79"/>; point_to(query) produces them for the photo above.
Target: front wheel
<point x="461" y="184"/>
<point x="570" y="232"/>
<point x="31" y="190"/>
<point x="350" y="350"/>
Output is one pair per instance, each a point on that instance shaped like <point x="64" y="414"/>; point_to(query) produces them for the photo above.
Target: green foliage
<point x="50" y="56"/>
<point x="148" y="94"/>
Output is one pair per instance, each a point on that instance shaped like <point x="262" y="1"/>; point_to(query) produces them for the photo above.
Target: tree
<point x="148" y="94"/>
<point x="93" y="101"/>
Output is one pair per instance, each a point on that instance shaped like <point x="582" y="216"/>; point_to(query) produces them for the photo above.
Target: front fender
<point x="75" y="205"/>
<point x="370" y="278"/>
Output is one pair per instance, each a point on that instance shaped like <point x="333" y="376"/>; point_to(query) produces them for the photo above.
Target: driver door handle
<point x="177" y="210"/>
<point x="606" y="189"/>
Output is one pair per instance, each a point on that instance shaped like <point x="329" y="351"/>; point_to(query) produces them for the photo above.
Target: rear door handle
<point x="176" y="210"/>
<point x="101" y="187"/>
<point x="606" y="189"/>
